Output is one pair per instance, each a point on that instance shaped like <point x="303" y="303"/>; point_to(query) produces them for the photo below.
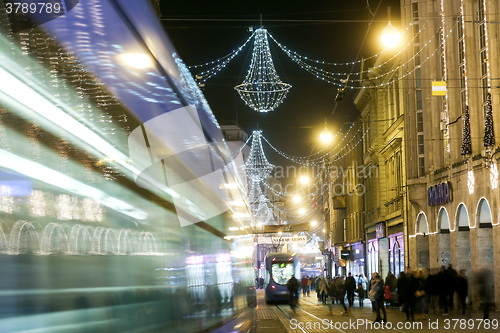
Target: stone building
<point x="385" y="200"/>
<point x="451" y="155"/>
<point x="344" y="233"/>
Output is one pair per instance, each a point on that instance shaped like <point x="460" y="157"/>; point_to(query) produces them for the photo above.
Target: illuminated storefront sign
<point x="439" y="194"/>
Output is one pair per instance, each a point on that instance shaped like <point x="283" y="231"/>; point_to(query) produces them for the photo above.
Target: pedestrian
<point x="409" y="294"/>
<point x="261" y="282"/>
<point x="484" y="281"/>
<point x="341" y="294"/>
<point x="364" y="283"/>
<point x="293" y="290"/>
<point x="421" y="294"/>
<point x="401" y="289"/>
<point x="461" y="287"/>
<point x="333" y="290"/>
<point x="388" y="296"/>
<point x="377" y="295"/>
<point x="371" y="292"/>
<point x="350" y="287"/>
<point x="361" y="294"/>
<point x="449" y="288"/>
<point x="303" y="285"/>
<point x="323" y="289"/>
<point x="391" y="281"/>
<point x="309" y="286"/>
<point x="316" y="286"/>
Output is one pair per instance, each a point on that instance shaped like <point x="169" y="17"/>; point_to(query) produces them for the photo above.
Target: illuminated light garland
<point x="257" y="167"/>
<point x="489" y="135"/>
<point x="237" y="152"/>
<point x="466" y="148"/>
<point x="313" y="162"/>
<point x="303" y="58"/>
<point x="493" y="176"/>
<point x="220" y="63"/>
<point x="262" y="89"/>
<point x="470" y="181"/>
<point x="327" y="76"/>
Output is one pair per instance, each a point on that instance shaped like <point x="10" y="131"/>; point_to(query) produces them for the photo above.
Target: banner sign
<point x="439" y="194"/>
<point x="282" y="240"/>
<point x="439" y="88"/>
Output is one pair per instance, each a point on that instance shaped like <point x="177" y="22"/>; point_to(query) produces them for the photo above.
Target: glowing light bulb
<point x="304" y="179"/>
<point x="326" y="136"/>
<point x="390" y="36"/>
<point x="137" y="60"/>
<point x="313" y="223"/>
<point x="302" y="211"/>
<point x="297" y="198"/>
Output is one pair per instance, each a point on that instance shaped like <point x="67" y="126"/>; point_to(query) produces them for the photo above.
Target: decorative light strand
<point x="287" y="50"/>
<point x="221" y="63"/>
<point x="236" y="153"/>
<point x="318" y="71"/>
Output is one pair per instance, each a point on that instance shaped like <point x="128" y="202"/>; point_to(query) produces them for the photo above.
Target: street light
<point x="304" y="179"/>
<point x="390" y="35"/>
<point x="313" y="223"/>
<point x="296" y="198"/>
<point x="302" y="211"/>
<point x="326" y="136"/>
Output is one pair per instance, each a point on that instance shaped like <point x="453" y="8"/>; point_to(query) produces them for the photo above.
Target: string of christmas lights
<point x="221" y="63"/>
<point x="489" y="135"/>
<point x="236" y="153"/>
<point x="466" y="148"/>
<point x="300" y="60"/>
<point x="308" y="162"/>
<point x="304" y="58"/>
<point x="257" y="167"/>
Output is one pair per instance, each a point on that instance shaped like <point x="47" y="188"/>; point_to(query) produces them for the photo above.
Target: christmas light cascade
<point x="257" y="167"/>
<point x="466" y="148"/>
<point x="262" y="89"/>
<point x="489" y="136"/>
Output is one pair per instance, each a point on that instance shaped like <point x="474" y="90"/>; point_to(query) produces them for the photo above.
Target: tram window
<point x="282" y="272"/>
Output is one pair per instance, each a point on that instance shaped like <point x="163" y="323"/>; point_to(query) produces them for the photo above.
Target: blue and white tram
<point x="280" y="268"/>
<point x="85" y="243"/>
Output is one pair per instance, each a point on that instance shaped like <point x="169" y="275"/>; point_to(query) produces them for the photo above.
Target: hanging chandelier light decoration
<point x="257" y="167"/>
<point x="262" y="89"/>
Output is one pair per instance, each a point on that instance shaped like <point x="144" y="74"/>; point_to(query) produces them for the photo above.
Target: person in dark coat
<point x="379" y="296"/>
<point x="449" y="274"/>
<point x="333" y="290"/>
<point x="361" y="294"/>
<point x="293" y="289"/>
<point x="341" y="293"/>
<point x="461" y="287"/>
<point x="400" y="287"/>
<point x="421" y="293"/>
<point x="350" y="287"/>
<point x="391" y="282"/>
<point x="408" y="287"/>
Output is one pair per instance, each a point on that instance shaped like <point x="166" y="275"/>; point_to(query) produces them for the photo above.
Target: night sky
<point x="295" y="125"/>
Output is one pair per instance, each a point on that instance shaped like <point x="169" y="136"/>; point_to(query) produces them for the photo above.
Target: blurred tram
<point x="280" y="268"/>
<point x="111" y="162"/>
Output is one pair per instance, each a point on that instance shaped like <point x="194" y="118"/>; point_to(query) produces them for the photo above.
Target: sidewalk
<point x="455" y="321"/>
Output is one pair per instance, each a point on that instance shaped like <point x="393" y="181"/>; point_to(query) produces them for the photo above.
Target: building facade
<point x="383" y="161"/>
<point x="344" y="233"/>
<point x="451" y="156"/>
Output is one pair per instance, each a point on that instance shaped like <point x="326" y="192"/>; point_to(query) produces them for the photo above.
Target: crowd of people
<point x="411" y="292"/>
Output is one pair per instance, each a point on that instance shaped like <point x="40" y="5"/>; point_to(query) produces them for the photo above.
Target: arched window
<point x="462" y="218"/>
<point x="422" y="226"/>
<point x="443" y="221"/>
<point x="483" y="216"/>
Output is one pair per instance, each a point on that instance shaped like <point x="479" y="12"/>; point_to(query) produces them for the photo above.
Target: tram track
<point x="351" y="316"/>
